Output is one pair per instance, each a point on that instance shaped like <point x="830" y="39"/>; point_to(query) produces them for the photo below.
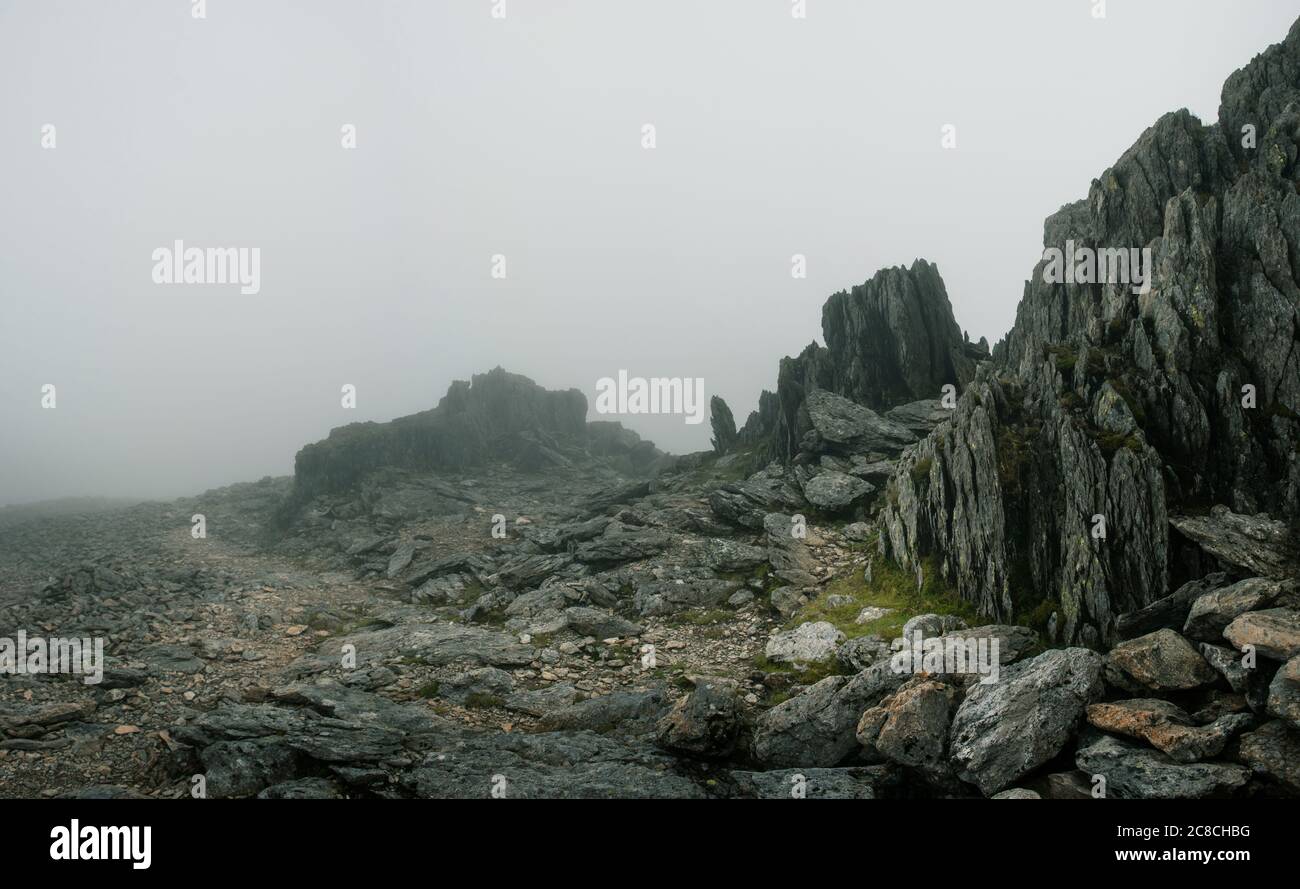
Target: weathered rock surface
<point x="1253" y="544"/>
<point x="835" y="491"/>
<point x="1167" y="727"/>
<point x="1007" y="729"/>
<point x="1133" y="772"/>
<point x="805" y="644"/>
<point x="1284" y="693"/>
<point x="839" y="426"/>
<point x="1274" y="632"/>
<point x="817" y="727"/>
<point x="1163" y="661"/>
<point x="1273" y="751"/>
<point x="1169" y="612"/>
<point x="889" y="342"/>
<point x="706" y="722"/>
<point x="911" y="724"/>
<point x="1211" y="612"/>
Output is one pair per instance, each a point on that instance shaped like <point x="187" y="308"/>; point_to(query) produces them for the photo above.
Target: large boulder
<point x="911" y="725"/>
<point x="839" y="426"/>
<point x="1273" y="752"/>
<point x="1254" y="544"/>
<point x="835" y="491"/>
<point x="1211" y="612"/>
<point x="705" y="722"/>
<point x="1274" y="633"/>
<point x="1004" y="730"/>
<point x="1162" y="661"/>
<point x="817" y="726"/>
<point x="1169" y="612"/>
<point x="1284" y="693"/>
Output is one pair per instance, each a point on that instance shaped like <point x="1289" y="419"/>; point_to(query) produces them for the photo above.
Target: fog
<point x="520" y="137"/>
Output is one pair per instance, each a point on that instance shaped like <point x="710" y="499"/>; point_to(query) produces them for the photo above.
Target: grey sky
<point x="520" y="137"/>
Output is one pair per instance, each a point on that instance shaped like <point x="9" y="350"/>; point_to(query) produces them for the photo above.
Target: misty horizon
<point x="376" y="261"/>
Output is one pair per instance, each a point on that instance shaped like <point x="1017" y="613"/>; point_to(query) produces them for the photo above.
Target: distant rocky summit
<point x="495" y="415"/>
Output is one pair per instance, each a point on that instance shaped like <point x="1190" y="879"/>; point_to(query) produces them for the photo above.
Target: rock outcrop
<point x="1111" y="405"/>
<point x="890" y="341"/>
<point x="494" y="416"/>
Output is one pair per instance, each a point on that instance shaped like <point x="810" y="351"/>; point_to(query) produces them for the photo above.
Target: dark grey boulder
<point x="817" y="727"/>
<point x="835" y="491"/>
<point x="1134" y="772"/>
<point x="1004" y="730"/>
<point x="1255" y="544"/>
<point x="1162" y="661"/>
<point x="705" y="722"/>
<point x="1211" y="612"/>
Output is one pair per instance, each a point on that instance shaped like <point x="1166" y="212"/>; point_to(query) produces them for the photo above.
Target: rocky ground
<point x="580" y="633"/>
<point x="497" y="597"/>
